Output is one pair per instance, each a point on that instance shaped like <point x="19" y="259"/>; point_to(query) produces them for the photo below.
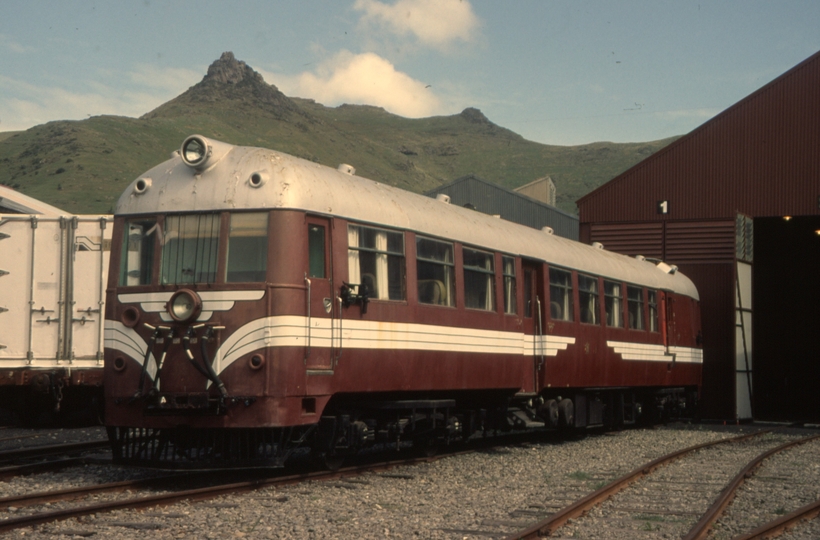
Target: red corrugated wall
<point x="761" y="158"/>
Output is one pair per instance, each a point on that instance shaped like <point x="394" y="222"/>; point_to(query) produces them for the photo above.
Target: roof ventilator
<point x="597" y="245"/>
<point x="547" y="230"/>
<point x="258" y="179"/>
<point x="142" y="185"/>
<point x="347" y="169"/>
<point x="667" y="268"/>
<point x="660" y="265"/>
<point x="441" y="197"/>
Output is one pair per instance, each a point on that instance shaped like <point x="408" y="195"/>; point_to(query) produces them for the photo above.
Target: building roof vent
<point x="548" y="230"/>
<point x="441" y="197"/>
<point x="668" y="268"/>
<point x="347" y="169"/>
<point x="597" y="245"/>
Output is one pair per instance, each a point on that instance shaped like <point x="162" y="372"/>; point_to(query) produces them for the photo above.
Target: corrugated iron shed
<point x="476" y="193"/>
<point x="719" y="202"/>
<point x="759" y="157"/>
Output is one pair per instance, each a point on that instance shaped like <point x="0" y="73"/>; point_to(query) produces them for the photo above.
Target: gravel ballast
<point x="487" y="494"/>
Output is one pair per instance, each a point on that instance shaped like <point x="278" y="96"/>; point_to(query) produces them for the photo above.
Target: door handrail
<point x="307" y="289"/>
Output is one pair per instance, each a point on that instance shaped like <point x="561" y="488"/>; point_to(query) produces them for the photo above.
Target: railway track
<point x="666" y="497"/>
<point x="315" y="497"/>
<point x="173" y="489"/>
<point x="52" y="457"/>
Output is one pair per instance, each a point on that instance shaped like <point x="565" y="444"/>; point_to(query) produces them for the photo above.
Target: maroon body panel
<point x="290" y="385"/>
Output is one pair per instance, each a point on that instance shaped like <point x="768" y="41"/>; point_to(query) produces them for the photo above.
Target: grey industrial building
<point x="476" y="193"/>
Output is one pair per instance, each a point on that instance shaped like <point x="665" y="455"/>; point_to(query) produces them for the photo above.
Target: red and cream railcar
<point x="259" y="302"/>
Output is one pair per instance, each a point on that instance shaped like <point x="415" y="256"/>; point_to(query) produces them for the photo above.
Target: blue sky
<point x="556" y="72"/>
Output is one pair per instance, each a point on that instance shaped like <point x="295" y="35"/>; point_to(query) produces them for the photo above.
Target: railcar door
<point x="321" y="324"/>
<point x="668" y="325"/>
<point x="533" y="309"/>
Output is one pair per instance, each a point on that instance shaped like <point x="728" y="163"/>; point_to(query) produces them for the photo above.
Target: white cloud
<point x="362" y="79"/>
<point x="7" y="43"/>
<point x="132" y="93"/>
<point x="435" y="23"/>
<point x="171" y="79"/>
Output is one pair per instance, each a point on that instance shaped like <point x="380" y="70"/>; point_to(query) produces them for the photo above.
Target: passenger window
<point x="376" y="262"/>
<point x="479" y="280"/>
<point x="510" y="306"/>
<point x="436" y="269"/>
<point x="561" y="295"/>
<point x="634" y="297"/>
<point x="316" y="251"/>
<point x="247" y="248"/>
<point x="137" y="257"/>
<point x="614" y="304"/>
<point x="653" y="310"/>
<point x="588" y="299"/>
<point x="190" y="249"/>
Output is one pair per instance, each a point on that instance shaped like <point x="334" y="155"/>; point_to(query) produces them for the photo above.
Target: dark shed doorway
<point x="787" y="318"/>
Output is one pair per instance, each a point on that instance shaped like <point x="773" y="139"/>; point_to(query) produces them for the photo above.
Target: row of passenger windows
<point x="189" y="250"/>
<point x="376" y="264"/>
<point x="589" y="298"/>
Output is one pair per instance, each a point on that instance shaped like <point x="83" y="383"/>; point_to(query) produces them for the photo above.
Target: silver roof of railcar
<point x="240" y="177"/>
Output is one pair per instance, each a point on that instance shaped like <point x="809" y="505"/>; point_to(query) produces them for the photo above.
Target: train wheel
<point x="549" y="413"/>
<point x="332" y="462"/>
<point x="566" y="414"/>
<point x="426" y="447"/>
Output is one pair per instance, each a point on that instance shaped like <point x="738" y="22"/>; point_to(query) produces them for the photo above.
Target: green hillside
<point x="83" y="166"/>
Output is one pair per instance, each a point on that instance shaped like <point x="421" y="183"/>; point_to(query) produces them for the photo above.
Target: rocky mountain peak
<point x="475" y="116"/>
<point x="230" y="81"/>
<point x="228" y="70"/>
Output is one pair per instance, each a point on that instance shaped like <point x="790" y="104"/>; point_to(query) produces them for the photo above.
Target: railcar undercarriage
<point x="351" y="425"/>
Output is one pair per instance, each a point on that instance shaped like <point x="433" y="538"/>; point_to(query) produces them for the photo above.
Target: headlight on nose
<point x="185" y="306"/>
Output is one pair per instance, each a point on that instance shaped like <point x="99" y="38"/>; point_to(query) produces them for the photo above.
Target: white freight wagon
<point x="53" y="270"/>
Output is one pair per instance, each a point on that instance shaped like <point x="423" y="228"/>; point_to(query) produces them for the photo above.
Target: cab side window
<point x="247" y="248"/>
<point x="316" y="251"/>
<point x="137" y="256"/>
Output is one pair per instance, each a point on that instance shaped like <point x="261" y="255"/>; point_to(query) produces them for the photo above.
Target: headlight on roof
<point x="201" y="153"/>
<point x="194" y="151"/>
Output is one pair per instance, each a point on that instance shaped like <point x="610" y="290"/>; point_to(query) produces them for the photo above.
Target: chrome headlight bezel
<point x="184" y="306"/>
<point x="194" y="151"/>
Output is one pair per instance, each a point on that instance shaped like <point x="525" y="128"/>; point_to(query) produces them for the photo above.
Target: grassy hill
<point x="83" y="166"/>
